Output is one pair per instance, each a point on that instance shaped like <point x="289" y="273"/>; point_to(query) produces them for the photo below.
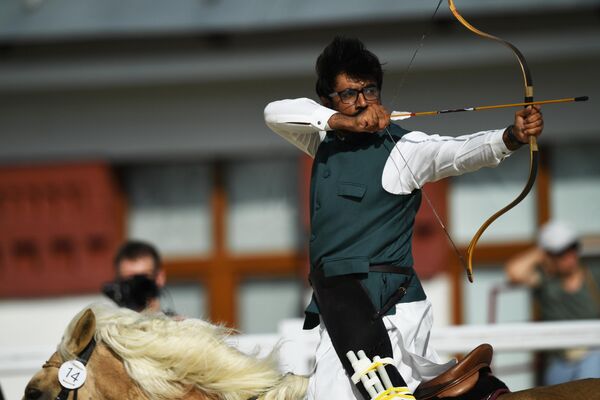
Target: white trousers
<point x="409" y="331"/>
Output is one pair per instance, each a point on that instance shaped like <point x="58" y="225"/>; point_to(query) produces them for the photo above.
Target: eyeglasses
<point x="349" y="96"/>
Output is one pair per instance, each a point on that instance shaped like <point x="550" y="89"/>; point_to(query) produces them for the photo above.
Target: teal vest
<point x="355" y="222"/>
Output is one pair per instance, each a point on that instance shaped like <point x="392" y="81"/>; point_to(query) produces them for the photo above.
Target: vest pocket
<point x="355" y="191"/>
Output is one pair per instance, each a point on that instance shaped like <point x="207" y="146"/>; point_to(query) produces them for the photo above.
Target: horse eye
<point x="32" y="393"/>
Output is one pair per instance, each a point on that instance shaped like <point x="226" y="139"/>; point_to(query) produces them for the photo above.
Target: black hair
<point x="134" y="249"/>
<point x="346" y="55"/>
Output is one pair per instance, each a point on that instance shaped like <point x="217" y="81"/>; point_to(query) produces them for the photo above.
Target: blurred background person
<point x="139" y="277"/>
<point x="564" y="289"/>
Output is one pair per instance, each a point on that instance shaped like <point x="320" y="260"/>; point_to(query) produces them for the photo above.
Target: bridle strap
<point x="64" y="394"/>
<point x="83" y="357"/>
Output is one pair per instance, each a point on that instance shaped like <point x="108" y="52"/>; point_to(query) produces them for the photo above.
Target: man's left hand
<point x="528" y="122"/>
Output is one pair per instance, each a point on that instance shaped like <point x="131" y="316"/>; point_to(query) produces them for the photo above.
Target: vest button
<point x="326" y="174"/>
<point x="313" y="236"/>
<point x="317" y="205"/>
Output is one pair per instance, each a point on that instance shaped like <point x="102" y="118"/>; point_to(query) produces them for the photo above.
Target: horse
<point x="133" y="356"/>
<point x="137" y="356"/>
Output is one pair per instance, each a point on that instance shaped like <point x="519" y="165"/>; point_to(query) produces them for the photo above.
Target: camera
<point x="133" y="293"/>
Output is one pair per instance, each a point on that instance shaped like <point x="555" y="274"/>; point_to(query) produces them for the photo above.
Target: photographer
<point x="139" y="277"/>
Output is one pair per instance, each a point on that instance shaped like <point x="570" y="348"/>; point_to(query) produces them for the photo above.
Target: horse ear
<point x="83" y="332"/>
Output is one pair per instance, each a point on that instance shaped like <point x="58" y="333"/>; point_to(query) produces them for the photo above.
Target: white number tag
<point x="72" y="374"/>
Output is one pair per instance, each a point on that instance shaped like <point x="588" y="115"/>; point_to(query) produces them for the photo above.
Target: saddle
<point x="459" y="379"/>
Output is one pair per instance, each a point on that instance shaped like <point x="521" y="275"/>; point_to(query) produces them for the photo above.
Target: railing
<point x="297" y="347"/>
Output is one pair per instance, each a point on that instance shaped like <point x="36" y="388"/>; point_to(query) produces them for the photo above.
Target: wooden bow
<point x="533" y="148"/>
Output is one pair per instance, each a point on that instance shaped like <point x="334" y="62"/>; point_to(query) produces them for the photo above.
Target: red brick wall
<point x="59" y="228"/>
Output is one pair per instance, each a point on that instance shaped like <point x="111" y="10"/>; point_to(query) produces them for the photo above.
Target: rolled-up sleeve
<point x="419" y="158"/>
<point x="302" y="122"/>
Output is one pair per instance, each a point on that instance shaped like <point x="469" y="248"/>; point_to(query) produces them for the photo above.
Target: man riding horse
<point x="366" y="185"/>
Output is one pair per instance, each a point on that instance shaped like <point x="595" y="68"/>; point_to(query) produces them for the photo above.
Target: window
<point x="169" y="205"/>
<point x="575" y="194"/>
<point x="225" y="229"/>
<point x="263" y="206"/>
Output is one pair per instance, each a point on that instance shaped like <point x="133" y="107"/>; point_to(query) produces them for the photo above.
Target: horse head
<point x="79" y="337"/>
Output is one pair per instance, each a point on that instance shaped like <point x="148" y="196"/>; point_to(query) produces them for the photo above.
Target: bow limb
<point x="533" y="148"/>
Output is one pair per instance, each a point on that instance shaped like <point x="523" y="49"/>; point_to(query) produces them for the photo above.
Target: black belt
<point x="392" y="269"/>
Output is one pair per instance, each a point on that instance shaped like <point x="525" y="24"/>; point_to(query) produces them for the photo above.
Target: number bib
<point x="72" y="374"/>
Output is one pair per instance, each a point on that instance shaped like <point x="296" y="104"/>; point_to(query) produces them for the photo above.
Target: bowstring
<point x="424" y="35"/>
<point x="419" y="186"/>
<point x="426" y="196"/>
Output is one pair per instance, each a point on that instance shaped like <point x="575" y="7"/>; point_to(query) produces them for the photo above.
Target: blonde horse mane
<point x="169" y="358"/>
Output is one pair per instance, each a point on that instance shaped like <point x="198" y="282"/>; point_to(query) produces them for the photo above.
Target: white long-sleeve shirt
<point x="417" y="157"/>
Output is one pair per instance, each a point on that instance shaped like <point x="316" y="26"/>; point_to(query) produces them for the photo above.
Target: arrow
<point x="400" y="115"/>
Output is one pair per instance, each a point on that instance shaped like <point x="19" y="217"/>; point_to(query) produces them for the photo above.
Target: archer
<point x="365" y="192"/>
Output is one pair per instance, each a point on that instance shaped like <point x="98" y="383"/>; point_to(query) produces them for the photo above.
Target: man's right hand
<point x="371" y="119"/>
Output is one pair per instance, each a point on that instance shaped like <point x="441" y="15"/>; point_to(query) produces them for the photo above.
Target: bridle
<point x="83" y="358"/>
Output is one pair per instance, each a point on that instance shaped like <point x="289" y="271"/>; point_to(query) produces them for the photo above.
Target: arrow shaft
<point x="482" y="108"/>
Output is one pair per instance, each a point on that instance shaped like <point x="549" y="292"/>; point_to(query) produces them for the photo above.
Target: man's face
<point x="128" y="268"/>
<point x="565" y="263"/>
<point x="138" y="266"/>
<point x="344" y="82"/>
<point x="141" y="266"/>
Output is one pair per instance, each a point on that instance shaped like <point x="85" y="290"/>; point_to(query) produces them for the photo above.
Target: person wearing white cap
<point x="565" y="289"/>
